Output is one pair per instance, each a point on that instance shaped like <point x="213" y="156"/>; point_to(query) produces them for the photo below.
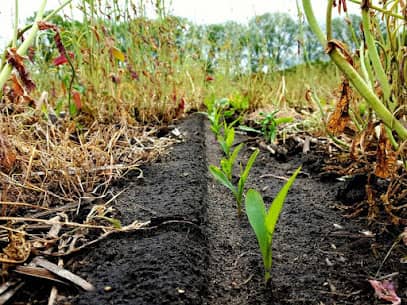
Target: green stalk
<point x="353" y="76"/>
<point x="328" y="22"/>
<point x="365" y="66"/>
<point x="313" y="23"/>
<point x="385" y="115"/>
<point x="379" y="9"/>
<point x="5" y="72"/>
<point x="374" y="55"/>
<point x="15" y="33"/>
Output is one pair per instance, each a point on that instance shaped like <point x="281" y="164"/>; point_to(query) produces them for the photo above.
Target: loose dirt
<point x="197" y="251"/>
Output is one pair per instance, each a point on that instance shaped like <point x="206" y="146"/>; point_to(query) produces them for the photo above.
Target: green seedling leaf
<point x="230" y="137"/>
<point x="256" y="213"/>
<point x="227" y="163"/>
<point x="221" y="177"/>
<point x="235" y="153"/>
<point x="278" y="202"/>
<point x="263" y="223"/>
<point x="242" y="180"/>
<point x="249" y="165"/>
<point x="73" y="110"/>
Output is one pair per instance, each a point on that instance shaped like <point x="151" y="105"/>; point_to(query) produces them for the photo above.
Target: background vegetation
<point x="152" y="70"/>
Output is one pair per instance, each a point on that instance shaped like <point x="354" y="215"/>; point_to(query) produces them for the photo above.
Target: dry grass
<point x="53" y="169"/>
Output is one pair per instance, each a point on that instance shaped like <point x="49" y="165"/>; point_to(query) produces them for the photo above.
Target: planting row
<point x="262" y="221"/>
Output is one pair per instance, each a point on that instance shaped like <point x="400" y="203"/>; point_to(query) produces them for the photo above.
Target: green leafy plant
<point x="237" y="190"/>
<point x="216" y="112"/>
<point x="264" y="222"/>
<point x="227" y="138"/>
<point x="238" y="103"/>
<point x="227" y="163"/>
<point x="269" y="125"/>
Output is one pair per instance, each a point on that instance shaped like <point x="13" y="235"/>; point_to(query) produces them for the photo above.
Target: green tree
<point x="273" y="40"/>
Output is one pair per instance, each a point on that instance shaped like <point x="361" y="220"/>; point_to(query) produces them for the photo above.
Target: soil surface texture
<point x="198" y="251"/>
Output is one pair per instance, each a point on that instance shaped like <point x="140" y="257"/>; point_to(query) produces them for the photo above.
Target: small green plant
<point x="227" y="138"/>
<point x="263" y="223"/>
<point x="269" y="125"/>
<point x="237" y="190"/>
<point x="227" y="163"/>
<point x="238" y="103"/>
<point x="216" y="112"/>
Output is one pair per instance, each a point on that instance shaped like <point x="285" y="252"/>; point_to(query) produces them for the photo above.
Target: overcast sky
<point x="200" y="11"/>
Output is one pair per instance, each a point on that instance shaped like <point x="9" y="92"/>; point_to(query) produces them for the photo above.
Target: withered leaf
<point x="17" y="62"/>
<point x="17" y="88"/>
<point x="63" y="273"/>
<point x="7" y="155"/>
<point x="57" y="38"/>
<point x="371" y="200"/>
<point x="340" y="117"/>
<point x="339" y="45"/>
<point x="17" y="251"/>
<point x="39" y="272"/>
<point x="386" y="158"/>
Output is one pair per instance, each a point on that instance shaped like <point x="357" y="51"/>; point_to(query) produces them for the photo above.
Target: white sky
<point x="200" y="11"/>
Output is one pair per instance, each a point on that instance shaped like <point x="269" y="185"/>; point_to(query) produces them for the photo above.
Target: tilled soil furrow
<point x="164" y="264"/>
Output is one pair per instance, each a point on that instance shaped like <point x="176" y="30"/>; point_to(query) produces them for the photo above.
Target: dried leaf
<point x="373" y="208"/>
<point x="365" y="4"/>
<point x="385" y="290"/>
<point x="16" y="61"/>
<point x="57" y="38"/>
<point x="117" y="54"/>
<point x="38" y="272"/>
<point x="18" y="249"/>
<point x="7" y="155"/>
<point x="404" y="236"/>
<point x="386" y="158"/>
<point x="62" y="59"/>
<point x="335" y="44"/>
<point x="342" y="4"/>
<point x="9" y="289"/>
<point x="340" y="117"/>
<point x="63" y="273"/>
<point x="17" y="88"/>
<point x="76" y="96"/>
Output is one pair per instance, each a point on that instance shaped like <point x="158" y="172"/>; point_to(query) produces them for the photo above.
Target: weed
<point x="263" y="223"/>
<point x="269" y="125"/>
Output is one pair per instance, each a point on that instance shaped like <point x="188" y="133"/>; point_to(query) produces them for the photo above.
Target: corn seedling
<point x="216" y="113"/>
<point x="226" y="139"/>
<point x="227" y="163"/>
<point x="264" y="222"/>
<point x="237" y="190"/>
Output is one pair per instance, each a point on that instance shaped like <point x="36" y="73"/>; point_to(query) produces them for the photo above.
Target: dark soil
<point x="197" y="251"/>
